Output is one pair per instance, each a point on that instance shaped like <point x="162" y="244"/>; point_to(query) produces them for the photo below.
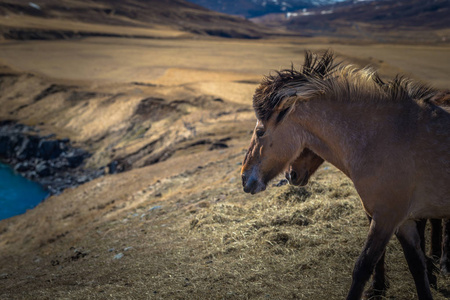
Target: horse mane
<point x="403" y="88"/>
<point x="442" y="98"/>
<point x="321" y="75"/>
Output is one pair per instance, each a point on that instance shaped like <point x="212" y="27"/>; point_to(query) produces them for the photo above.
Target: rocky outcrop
<point x="53" y="163"/>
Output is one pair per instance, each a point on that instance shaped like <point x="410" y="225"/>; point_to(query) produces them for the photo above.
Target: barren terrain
<point x="175" y="113"/>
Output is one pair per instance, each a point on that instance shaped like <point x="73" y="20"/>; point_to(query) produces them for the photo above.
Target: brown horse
<point x="304" y="166"/>
<point x="390" y="139"/>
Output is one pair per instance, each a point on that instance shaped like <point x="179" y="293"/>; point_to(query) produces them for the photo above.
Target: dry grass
<point x="197" y="236"/>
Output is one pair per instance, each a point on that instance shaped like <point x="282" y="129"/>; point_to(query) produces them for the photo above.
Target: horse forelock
<point x="274" y="88"/>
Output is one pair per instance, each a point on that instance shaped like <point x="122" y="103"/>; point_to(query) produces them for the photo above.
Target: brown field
<point x="178" y="215"/>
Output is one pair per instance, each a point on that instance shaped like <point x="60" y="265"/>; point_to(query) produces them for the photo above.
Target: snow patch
<point x="34" y="5"/>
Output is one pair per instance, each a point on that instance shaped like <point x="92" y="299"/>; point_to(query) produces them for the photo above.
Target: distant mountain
<point x="255" y="8"/>
<point x="381" y="20"/>
<point x="177" y="14"/>
<point x="392" y="13"/>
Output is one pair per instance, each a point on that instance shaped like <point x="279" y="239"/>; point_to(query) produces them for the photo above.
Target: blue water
<point x="17" y="194"/>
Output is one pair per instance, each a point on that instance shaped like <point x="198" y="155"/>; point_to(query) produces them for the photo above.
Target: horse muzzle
<point x="251" y="183"/>
<point x="294" y="178"/>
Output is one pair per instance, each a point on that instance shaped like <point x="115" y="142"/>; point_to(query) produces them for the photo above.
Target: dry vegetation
<point x="177" y="114"/>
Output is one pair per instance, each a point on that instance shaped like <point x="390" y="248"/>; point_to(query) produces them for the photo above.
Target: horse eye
<point x="259" y="133"/>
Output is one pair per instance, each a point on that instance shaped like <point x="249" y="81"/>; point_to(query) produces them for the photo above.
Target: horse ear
<point x="285" y="108"/>
<point x="282" y="114"/>
<point x="288" y="102"/>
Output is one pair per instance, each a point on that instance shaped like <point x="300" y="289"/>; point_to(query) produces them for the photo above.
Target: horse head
<point x="274" y="145"/>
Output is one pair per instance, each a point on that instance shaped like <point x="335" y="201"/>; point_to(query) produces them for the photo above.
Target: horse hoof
<point x="373" y="294"/>
<point x="433" y="281"/>
<point x="445" y="271"/>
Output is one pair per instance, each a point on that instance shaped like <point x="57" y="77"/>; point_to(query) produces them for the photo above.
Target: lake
<point x="17" y="194"/>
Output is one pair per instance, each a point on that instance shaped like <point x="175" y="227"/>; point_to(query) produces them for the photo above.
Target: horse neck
<point x="340" y="132"/>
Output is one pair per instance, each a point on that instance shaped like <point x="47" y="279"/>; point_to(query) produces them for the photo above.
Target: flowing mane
<point x="323" y="76"/>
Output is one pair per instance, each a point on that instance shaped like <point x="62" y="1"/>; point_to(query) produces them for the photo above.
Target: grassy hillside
<point x="175" y="112"/>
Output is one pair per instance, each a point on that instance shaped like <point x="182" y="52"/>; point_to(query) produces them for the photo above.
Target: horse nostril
<point x="244" y="179"/>
<point x="293" y="175"/>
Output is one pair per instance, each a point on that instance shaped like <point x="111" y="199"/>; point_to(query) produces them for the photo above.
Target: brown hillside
<point x="176" y="224"/>
<point x="173" y="109"/>
<point x="37" y="21"/>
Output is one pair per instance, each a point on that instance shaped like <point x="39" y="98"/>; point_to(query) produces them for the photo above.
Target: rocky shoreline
<point x="53" y="163"/>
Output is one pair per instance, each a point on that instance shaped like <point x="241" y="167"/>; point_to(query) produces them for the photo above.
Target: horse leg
<point x="378" y="286"/>
<point x="445" y="262"/>
<point x="421" y="224"/>
<point x="435" y="240"/>
<point x="373" y="250"/>
<point x="409" y="238"/>
<point x="435" y="251"/>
